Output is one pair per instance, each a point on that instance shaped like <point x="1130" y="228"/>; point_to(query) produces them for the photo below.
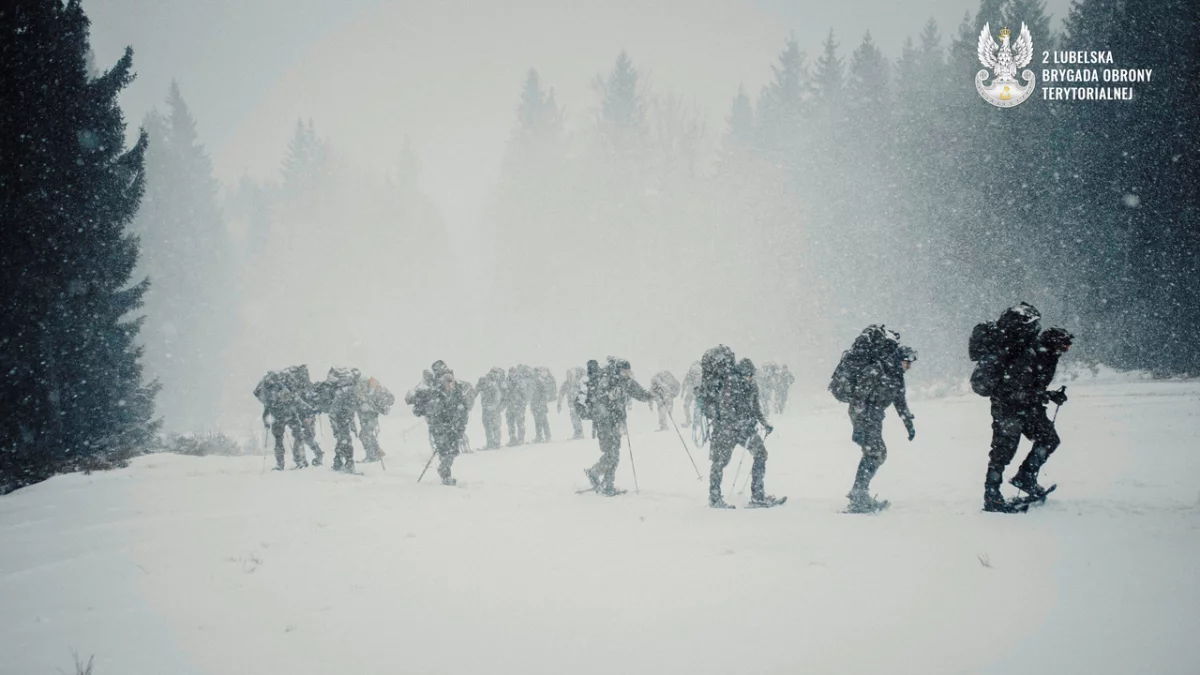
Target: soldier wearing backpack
<point x="542" y="389"/>
<point x="608" y="391"/>
<point x="691" y="382"/>
<point x="665" y="388"/>
<point x="1015" y="363"/>
<point x="374" y="400"/>
<point x="491" y="398"/>
<point x="870" y="378"/>
<point x="737" y="414"/>
<point x="447" y="410"/>
<point x="783" y="384"/>
<point x="570" y="391"/>
<point x="341" y="386"/>
<point x="288" y="399"/>
<point x="516" y="399"/>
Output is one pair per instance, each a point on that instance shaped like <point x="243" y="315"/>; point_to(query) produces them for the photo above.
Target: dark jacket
<point x="741" y="409"/>
<point x="879" y="385"/>
<point x="1025" y="370"/>
<point x="612" y="393"/>
<point x="448" y="411"/>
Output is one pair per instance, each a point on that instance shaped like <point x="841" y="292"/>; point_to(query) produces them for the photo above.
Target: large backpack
<point x="586" y="397"/>
<point x="716" y="369"/>
<point x="985" y="348"/>
<point x="276" y="392"/>
<point x="862" y="367"/>
<point x="377" y="397"/>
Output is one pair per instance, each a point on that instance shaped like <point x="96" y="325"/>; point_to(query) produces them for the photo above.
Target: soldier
<point x="765" y="379"/>
<point x="491" y="398"/>
<point x="783" y="383"/>
<point x="570" y="391"/>
<point x="870" y="378"/>
<point x="690" y="382"/>
<point x="373" y="400"/>
<point x="447" y="415"/>
<point x="541" y="390"/>
<point x="341" y="385"/>
<point x="288" y="398"/>
<point x="738" y="415"/>
<point x="607" y="398"/>
<point x="516" y="398"/>
<point x="1025" y="363"/>
<point x="665" y="388"/>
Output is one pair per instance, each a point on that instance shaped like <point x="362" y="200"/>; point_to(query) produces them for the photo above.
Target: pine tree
<point x="535" y="146"/>
<point x="68" y="190"/>
<point x="740" y="132"/>
<point x="305" y="164"/>
<point x="622" y="106"/>
<point x="188" y="256"/>
<point x="867" y="83"/>
<point x="829" y="75"/>
<point x="783" y="103"/>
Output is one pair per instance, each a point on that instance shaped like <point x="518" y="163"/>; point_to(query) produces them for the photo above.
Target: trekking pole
<point x="427" y="465"/>
<point x="1058" y="406"/>
<point x="685" y="447"/>
<point x="747" y="481"/>
<point x="632" y="464"/>
<point x="737" y="473"/>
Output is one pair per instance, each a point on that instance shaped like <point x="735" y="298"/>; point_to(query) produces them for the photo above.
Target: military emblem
<point x="1004" y="60"/>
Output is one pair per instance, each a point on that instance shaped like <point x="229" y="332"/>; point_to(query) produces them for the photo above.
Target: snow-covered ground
<point x="209" y="565"/>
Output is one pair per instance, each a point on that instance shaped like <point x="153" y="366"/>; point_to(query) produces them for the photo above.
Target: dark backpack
<point x="587" y="391"/>
<point x="716" y="369"/>
<point x="984" y="349"/>
<point x="861" y="369"/>
<point x="275" y="392"/>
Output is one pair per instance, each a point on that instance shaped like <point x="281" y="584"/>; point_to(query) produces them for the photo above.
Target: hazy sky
<point x="448" y="73"/>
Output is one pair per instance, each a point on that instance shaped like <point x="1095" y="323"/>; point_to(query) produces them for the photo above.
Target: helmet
<point x="1056" y="338"/>
<point x="745" y="368"/>
<point x="1020" y="316"/>
<point x="907" y="354"/>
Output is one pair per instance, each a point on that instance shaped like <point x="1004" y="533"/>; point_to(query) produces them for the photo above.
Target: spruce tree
<point x="622" y="106"/>
<point x="69" y="189"/>
<point x="783" y="104"/>
<point x="187" y="254"/>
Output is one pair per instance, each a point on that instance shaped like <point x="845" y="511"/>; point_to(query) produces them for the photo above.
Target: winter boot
<point x="1027" y="482"/>
<point x="994" y="502"/>
<point x="278" y="466"/>
<point x="593" y="478"/>
<point x="317" y="460"/>
<point x="449" y="481"/>
<point x="765" y="501"/>
<point x="718" y="502"/>
<point x="861" y="501"/>
<point x="301" y="464"/>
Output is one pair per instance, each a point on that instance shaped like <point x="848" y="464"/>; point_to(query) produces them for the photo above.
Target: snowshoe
<point x="766" y="502"/>
<point x="719" y="503"/>
<point x="610" y="491"/>
<point x="278" y="467"/>
<point x="872" y="506"/>
<point x="302" y="464"/>
<point x="368" y="460"/>
<point x="1032" y="499"/>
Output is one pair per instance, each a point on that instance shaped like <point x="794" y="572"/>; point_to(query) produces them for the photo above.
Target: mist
<point x="548" y="184"/>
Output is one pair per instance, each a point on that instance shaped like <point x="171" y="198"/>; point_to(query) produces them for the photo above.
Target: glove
<point x="1057" y="397"/>
<point x="912" y="431"/>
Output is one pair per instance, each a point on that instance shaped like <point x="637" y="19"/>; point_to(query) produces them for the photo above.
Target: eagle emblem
<point x="1004" y="60"/>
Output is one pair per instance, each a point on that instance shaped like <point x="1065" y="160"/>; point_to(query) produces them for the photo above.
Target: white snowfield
<point x="209" y="565"/>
